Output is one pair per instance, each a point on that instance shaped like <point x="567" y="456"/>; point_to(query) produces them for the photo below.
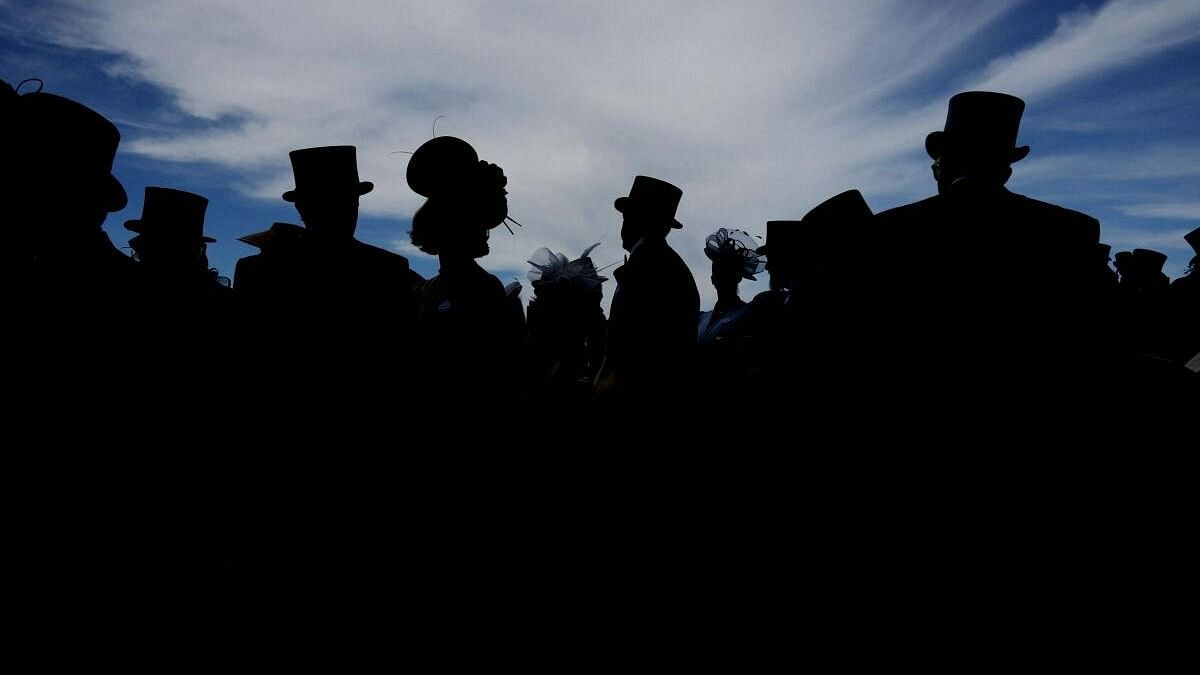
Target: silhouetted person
<point x="1185" y="306"/>
<point x="652" y="320"/>
<point x="471" y="330"/>
<point x="983" y="323"/>
<point x="805" y="313"/>
<point x="566" y="323"/>
<point x="87" y="504"/>
<point x="1142" y="302"/>
<point x="186" y="313"/>
<point x="337" y="313"/>
<point x="961" y="307"/>
<point x="734" y="258"/>
<point x="723" y="354"/>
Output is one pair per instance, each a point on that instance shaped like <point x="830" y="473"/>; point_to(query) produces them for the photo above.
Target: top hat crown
<point x="980" y="124"/>
<point x="653" y="198"/>
<point x="331" y="169"/>
<point x="68" y="138"/>
<point x="171" y="214"/>
<point x="781" y="234"/>
<point x="1149" y="260"/>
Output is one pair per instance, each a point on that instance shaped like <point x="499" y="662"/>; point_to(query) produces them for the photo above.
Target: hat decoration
<point x="550" y="268"/>
<point x="735" y="247"/>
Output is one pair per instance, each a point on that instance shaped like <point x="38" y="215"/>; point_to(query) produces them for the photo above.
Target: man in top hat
<point x="978" y="276"/>
<point x="652" y="321"/>
<point x="327" y="301"/>
<point x="181" y="296"/>
<point x="170" y="244"/>
<point x="73" y="282"/>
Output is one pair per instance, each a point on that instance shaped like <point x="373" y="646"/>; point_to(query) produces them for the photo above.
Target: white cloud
<point x="757" y="110"/>
<point x="1165" y="210"/>
<point x="1086" y="44"/>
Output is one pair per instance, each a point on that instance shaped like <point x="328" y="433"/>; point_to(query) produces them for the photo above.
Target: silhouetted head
<point x="60" y="155"/>
<point x="171" y="228"/>
<point x="466" y="197"/>
<point x="327" y="189"/>
<point x="648" y="210"/>
<point x="783" y="252"/>
<point x="978" y="140"/>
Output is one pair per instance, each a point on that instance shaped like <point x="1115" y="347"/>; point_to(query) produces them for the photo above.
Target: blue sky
<point x="758" y="110"/>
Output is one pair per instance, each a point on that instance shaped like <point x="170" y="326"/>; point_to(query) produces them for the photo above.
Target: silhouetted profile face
<point x="635" y="226"/>
<point x="726" y="277"/>
<point x="781" y="269"/>
<point x="334" y="216"/>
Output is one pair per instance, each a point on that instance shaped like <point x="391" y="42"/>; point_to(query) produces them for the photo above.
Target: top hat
<point x="331" y="169"/>
<point x="1150" y="261"/>
<point x="1193" y="239"/>
<point x="784" y="233"/>
<point x="171" y="214"/>
<point x="1104" y="249"/>
<point x="70" y="139"/>
<point x="653" y="198"/>
<point x="980" y="124"/>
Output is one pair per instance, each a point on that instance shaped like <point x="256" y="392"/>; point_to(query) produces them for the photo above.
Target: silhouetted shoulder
<point x="908" y="211"/>
<point x="1084" y="225"/>
<point x="380" y="256"/>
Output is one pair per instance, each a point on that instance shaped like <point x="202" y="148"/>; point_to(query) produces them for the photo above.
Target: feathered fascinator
<point x="550" y="267"/>
<point x="735" y="247"/>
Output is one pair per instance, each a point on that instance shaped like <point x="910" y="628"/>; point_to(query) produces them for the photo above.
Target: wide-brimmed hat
<point x="442" y="166"/>
<point x="279" y="233"/>
<point x="980" y="124"/>
<point x="652" y="198"/>
<point x="68" y="139"/>
<point x="171" y="214"/>
<point x="326" y="170"/>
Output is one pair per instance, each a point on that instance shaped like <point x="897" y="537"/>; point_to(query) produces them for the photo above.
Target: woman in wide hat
<point x="470" y="327"/>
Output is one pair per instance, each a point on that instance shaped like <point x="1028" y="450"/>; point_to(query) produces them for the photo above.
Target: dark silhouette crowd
<point x="949" y="435"/>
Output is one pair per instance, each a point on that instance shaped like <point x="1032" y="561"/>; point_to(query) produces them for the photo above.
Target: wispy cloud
<point x="1086" y="44"/>
<point x="1167" y="210"/>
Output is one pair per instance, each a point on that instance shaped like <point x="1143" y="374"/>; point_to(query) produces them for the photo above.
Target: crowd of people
<point x="950" y="433"/>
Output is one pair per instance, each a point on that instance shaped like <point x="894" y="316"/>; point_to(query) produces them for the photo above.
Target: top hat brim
<point x="622" y="204"/>
<point x="935" y="144"/>
<point x="363" y="188"/>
